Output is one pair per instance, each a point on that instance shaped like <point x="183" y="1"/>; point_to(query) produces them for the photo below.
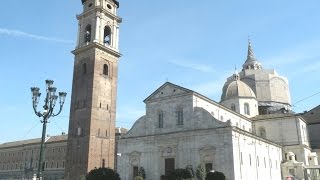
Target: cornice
<point x="99" y="9"/>
<point x="98" y="46"/>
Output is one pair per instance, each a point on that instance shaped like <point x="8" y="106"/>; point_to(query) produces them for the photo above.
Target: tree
<point x="102" y="174"/>
<point x="138" y="178"/>
<point x="201" y="172"/>
<point x="142" y="173"/>
<point x="82" y="177"/>
<point x="181" y="174"/>
<point x="190" y="171"/>
<point x="215" y="176"/>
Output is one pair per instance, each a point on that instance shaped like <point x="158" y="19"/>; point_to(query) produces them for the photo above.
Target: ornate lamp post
<point x="49" y="104"/>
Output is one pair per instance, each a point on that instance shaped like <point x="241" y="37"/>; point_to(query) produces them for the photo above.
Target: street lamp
<point x="49" y="104"/>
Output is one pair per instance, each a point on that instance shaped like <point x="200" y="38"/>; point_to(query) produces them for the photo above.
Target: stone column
<point x="97" y="30"/>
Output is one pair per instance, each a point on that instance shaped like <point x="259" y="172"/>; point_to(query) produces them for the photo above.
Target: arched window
<point x="105" y="70"/>
<point x="233" y="107"/>
<point x="262" y="132"/>
<point x="179" y="115"/>
<point x="107" y="35"/>
<point x="84" y="68"/>
<point x="160" y="119"/>
<point x="87" y="34"/>
<point x="246" y="109"/>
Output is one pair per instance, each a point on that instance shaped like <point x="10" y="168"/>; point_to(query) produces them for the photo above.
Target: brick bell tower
<point x="91" y="139"/>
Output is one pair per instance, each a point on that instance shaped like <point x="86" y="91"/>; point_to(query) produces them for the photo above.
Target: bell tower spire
<point x="251" y="62"/>
<point x="91" y="137"/>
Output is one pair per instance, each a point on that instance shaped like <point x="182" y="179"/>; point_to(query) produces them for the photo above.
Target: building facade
<point x="19" y="160"/>
<point x="183" y="128"/>
<point x="313" y="123"/>
<point x="252" y="134"/>
<point x="91" y="138"/>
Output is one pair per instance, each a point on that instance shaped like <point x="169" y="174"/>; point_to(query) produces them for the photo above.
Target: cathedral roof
<point x="34" y="141"/>
<point x="312" y="116"/>
<point x="274" y="116"/>
<point x="237" y="89"/>
<point x="165" y="91"/>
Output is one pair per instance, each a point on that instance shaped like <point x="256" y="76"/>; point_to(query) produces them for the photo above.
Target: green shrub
<point x="102" y="174"/>
<point x="138" y="178"/>
<point x="215" y="176"/>
<point x="181" y="174"/>
<point x="201" y="172"/>
<point x="142" y="173"/>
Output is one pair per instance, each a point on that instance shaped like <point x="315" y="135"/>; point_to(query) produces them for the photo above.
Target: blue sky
<point x="192" y="44"/>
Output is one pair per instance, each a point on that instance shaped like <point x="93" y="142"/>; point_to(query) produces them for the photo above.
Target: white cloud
<point x="18" y="33"/>
<point x="294" y="54"/>
<point x="195" y="66"/>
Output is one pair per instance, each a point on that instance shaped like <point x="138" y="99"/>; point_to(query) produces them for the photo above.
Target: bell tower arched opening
<point x="87" y="34"/>
<point x="107" y="36"/>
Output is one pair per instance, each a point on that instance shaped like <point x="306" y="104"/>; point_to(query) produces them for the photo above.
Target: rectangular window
<point x="208" y="167"/>
<point x="31" y="162"/>
<point x="180" y="117"/>
<point x="160" y="120"/>
<point x="258" y="161"/>
<point x="250" y="159"/>
<point x="135" y="171"/>
<point x="169" y="166"/>
<point x="241" y="158"/>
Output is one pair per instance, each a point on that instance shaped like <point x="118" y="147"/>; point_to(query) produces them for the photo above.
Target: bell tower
<point x="91" y="139"/>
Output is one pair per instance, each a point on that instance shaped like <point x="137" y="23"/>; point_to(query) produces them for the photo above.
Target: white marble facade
<point x="209" y="134"/>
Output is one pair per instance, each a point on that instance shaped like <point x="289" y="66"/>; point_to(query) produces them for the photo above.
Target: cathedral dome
<point x="237" y="89"/>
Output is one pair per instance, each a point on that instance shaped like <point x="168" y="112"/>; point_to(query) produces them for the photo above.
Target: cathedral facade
<point x="250" y="134"/>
